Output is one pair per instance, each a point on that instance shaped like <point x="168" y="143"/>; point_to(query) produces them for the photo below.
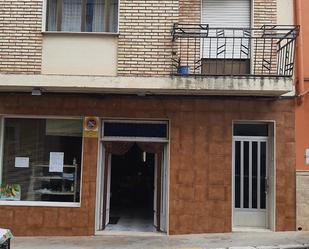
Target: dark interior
<point x="132" y="184"/>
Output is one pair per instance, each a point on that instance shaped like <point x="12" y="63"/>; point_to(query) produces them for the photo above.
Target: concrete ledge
<point x="239" y="86"/>
<point x="302" y="172"/>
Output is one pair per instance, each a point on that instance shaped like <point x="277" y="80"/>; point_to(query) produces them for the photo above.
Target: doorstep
<point x="251" y="229"/>
<point x="130" y="233"/>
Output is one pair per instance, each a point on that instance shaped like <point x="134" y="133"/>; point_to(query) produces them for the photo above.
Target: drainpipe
<point x="300" y="84"/>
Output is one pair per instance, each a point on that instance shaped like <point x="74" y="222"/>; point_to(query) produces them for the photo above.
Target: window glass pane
<point x="52" y="15"/>
<point x="254" y="174"/>
<point x="99" y="19"/>
<point x="113" y="23"/>
<point x="123" y="129"/>
<point x="246" y="175"/>
<point x="71" y="15"/>
<point x="98" y="16"/>
<point x="263" y="175"/>
<point x="251" y="130"/>
<point x="237" y="174"/>
<point x="28" y="146"/>
<point x="89" y="15"/>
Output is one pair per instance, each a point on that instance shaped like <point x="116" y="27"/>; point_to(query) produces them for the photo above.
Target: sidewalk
<point x="237" y="239"/>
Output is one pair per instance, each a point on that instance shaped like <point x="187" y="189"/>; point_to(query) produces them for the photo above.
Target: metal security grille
<point x="250" y="173"/>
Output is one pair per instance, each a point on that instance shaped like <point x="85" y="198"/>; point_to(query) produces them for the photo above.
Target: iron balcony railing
<point x="201" y="50"/>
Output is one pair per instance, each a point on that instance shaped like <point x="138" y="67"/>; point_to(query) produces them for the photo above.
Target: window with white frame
<point x="82" y="15"/>
<point x="41" y="160"/>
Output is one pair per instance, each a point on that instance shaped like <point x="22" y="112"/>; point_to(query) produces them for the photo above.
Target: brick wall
<point x="20" y="36"/>
<point x="265" y="12"/>
<point x="200" y="159"/>
<point x="145" y="46"/>
<point x="189" y="11"/>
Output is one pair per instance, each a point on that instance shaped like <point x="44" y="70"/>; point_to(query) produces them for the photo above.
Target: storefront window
<point x="41" y="160"/>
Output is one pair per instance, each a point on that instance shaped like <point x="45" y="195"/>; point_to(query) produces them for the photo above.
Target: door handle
<point x="266" y="185"/>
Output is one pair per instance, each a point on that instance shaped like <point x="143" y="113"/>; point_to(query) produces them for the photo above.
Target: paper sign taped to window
<point x="56" y="160"/>
<point x="21" y="162"/>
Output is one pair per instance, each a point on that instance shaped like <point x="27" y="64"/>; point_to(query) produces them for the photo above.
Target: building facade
<point x="169" y="116"/>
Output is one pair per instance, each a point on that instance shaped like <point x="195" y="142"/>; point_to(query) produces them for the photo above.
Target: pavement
<point x="235" y="240"/>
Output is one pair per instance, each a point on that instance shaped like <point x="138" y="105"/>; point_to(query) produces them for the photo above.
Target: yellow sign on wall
<point x="91" y="127"/>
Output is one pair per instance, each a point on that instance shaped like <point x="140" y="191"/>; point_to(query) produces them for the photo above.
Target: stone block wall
<point x="302" y="200"/>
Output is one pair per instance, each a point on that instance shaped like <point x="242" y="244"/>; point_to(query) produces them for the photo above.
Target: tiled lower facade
<point x="200" y="166"/>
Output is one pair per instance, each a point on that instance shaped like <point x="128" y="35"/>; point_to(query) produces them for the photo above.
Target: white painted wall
<point x="79" y="54"/>
<point x="285" y="12"/>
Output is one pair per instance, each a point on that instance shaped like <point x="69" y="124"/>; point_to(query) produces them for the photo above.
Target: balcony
<point x="201" y="50"/>
<point x="205" y="61"/>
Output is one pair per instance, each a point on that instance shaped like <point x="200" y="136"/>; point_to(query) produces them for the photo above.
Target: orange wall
<point x="302" y="111"/>
<point x="302" y="126"/>
<point x="305" y="34"/>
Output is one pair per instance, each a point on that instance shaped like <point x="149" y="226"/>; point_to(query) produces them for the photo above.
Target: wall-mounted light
<point x="36" y="91"/>
<point x="144" y="156"/>
<point x="141" y="94"/>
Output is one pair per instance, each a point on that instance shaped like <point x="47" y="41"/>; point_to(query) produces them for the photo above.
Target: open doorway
<point x="132" y="182"/>
<point x="132" y="191"/>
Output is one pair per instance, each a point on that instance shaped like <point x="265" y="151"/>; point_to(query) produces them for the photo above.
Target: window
<point x="227" y="52"/>
<point x="41" y="160"/>
<point x="135" y="129"/>
<point x="250" y="130"/>
<point x="82" y="15"/>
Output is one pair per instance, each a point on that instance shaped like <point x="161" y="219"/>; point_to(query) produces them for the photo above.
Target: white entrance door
<point x="250" y="182"/>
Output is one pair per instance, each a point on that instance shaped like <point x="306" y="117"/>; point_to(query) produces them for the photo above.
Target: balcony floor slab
<point x="169" y="85"/>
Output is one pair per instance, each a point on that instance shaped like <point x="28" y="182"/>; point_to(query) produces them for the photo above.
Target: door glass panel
<point x="237" y="174"/>
<point x="254" y="174"/>
<point x="263" y="175"/>
<point x="250" y="130"/>
<point x="135" y="129"/>
<point x="246" y="175"/>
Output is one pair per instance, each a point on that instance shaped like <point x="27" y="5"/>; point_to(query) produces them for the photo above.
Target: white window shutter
<point x="226" y="13"/>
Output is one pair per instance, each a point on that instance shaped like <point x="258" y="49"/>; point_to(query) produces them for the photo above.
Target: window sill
<point x="80" y="33"/>
<point x="40" y="204"/>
